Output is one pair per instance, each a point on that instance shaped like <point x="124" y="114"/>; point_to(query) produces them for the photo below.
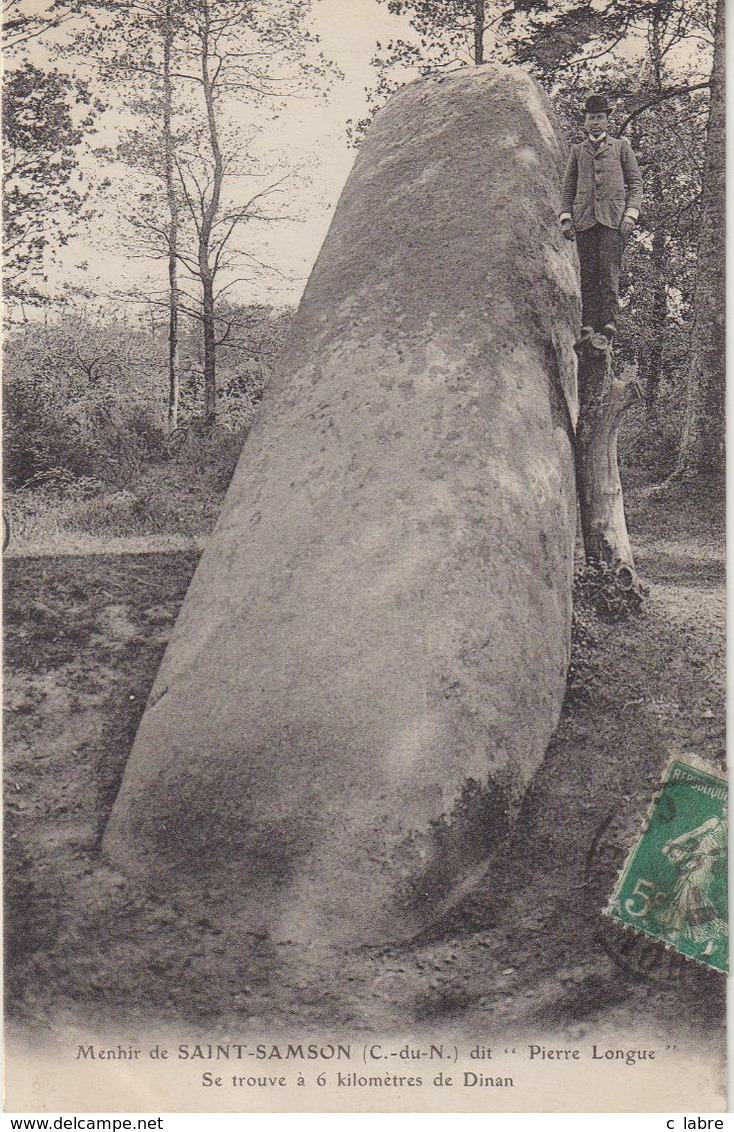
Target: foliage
<point x="44" y="190"/>
<point x="178" y="497"/>
<point x="78" y="397"/>
<point x="607" y="590"/>
<point x="702" y="450"/>
<point x="660" y="264"/>
<point x="599" y="596"/>
<point x="562" y="40"/>
<point x="87" y="399"/>
<point x="24" y="23"/>
<point x="648" y="442"/>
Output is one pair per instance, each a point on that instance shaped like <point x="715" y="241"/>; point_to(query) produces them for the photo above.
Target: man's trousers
<point x="600" y="258"/>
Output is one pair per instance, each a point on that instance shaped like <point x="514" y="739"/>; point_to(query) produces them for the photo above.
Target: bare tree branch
<point x="676" y="92"/>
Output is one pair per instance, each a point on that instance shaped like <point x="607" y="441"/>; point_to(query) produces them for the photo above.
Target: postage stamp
<point x="674" y="882"/>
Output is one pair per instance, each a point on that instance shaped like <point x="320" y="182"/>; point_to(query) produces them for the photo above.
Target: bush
<point x="610" y="592"/>
<point x="649" y="441"/>
<point x="600" y="594"/>
<point x="84" y="401"/>
<point x="86" y="445"/>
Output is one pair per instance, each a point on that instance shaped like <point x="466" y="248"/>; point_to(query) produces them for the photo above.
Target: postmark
<point x="673" y="886"/>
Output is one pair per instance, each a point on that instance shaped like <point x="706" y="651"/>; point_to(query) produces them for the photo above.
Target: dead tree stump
<point x="603" y="400"/>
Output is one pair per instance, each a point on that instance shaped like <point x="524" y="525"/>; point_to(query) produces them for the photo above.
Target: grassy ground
<point x="526" y="946"/>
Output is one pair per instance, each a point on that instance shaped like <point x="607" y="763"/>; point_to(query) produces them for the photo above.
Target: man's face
<point x="596" y="124"/>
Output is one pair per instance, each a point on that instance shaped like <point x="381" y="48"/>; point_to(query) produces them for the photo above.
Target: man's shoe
<point x="586" y="334"/>
<point x="609" y="331"/>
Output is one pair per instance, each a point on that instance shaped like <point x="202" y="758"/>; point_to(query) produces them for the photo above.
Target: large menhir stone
<point x="371" y="658"/>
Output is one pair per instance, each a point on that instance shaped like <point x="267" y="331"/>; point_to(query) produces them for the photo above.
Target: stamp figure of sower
<point x="673" y="886"/>
<point x="600" y="203"/>
<point x="690" y="910"/>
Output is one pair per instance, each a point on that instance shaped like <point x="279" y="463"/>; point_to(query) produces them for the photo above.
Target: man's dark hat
<point x="596" y="104"/>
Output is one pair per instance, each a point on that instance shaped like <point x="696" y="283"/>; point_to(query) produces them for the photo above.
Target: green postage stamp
<point x="674" y="883"/>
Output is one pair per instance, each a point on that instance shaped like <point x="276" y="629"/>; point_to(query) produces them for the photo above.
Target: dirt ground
<point x="526" y="946"/>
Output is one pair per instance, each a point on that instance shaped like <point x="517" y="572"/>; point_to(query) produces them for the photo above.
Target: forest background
<point x="170" y="168"/>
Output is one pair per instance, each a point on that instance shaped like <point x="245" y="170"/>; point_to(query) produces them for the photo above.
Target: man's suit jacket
<point x="601" y="183"/>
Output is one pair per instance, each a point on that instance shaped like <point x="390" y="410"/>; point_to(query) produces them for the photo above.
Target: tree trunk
<point x="653" y="368"/>
<point x="206" y="271"/>
<point x="173" y="224"/>
<point x="702" y="442"/>
<point x="210" y="378"/>
<point x="479" y="21"/>
<point x="652" y="359"/>
<point x="603" y="401"/>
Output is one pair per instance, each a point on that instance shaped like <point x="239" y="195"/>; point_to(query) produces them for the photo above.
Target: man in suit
<point x="600" y="203"/>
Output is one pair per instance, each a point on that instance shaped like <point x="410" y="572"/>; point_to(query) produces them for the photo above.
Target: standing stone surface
<point x="371" y="658"/>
